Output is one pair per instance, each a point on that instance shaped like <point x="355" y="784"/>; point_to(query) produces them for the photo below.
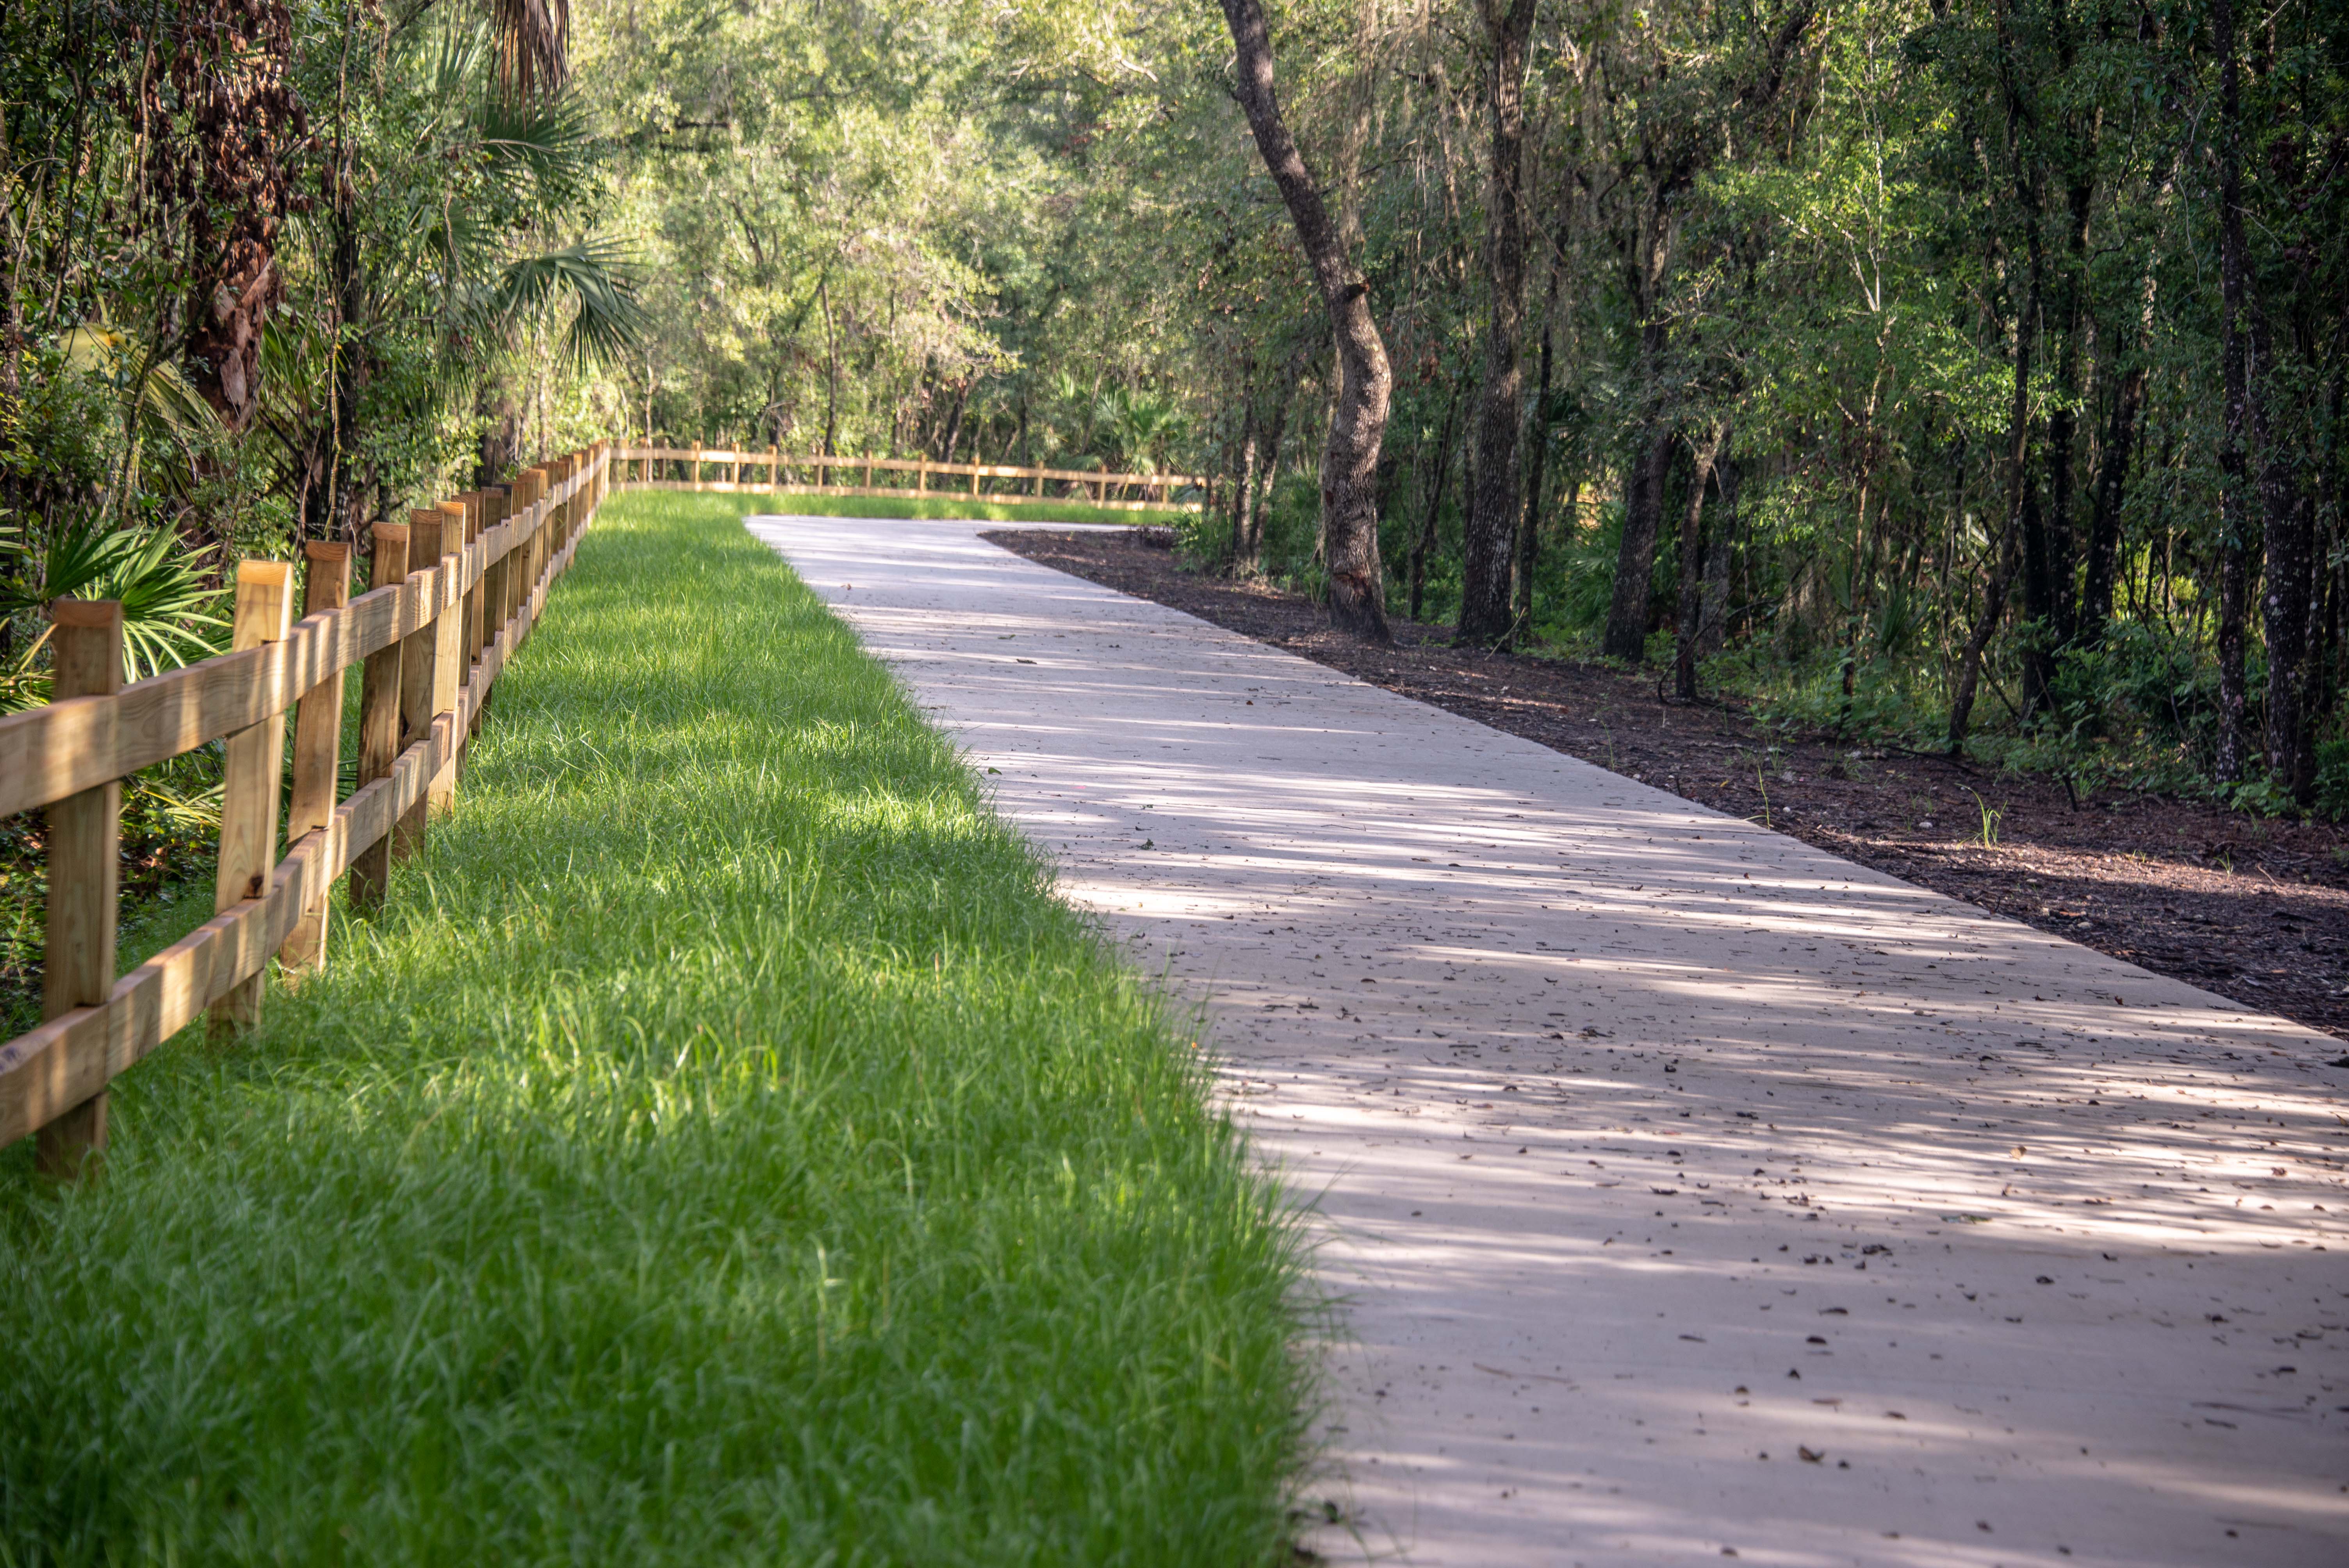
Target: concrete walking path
<point x="1694" y="1193"/>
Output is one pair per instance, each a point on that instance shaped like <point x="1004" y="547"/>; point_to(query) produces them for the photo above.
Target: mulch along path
<point x="2254" y="909"/>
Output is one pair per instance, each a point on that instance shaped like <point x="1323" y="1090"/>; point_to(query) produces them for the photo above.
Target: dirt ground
<point x="2253" y="909"/>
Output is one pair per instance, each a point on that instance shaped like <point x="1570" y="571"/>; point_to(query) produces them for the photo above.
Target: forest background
<point x="1938" y="374"/>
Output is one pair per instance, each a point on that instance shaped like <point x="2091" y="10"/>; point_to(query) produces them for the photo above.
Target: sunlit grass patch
<point x="722" y="1147"/>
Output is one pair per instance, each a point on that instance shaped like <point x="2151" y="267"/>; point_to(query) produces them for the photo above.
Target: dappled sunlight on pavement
<point x="1693" y="1192"/>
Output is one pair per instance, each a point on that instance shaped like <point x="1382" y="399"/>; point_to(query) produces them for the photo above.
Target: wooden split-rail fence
<point x="684" y="469"/>
<point x="455" y="591"/>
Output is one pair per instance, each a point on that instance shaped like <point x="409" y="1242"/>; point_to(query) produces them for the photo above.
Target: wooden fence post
<point x="317" y="751"/>
<point x="491" y="617"/>
<point x="533" y="553"/>
<point x="469" y="619"/>
<point x="249" y="789"/>
<point x="518" y="564"/>
<point x="85" y="857"/>
<point x="379" y="721"/>
<point x="517" y="505"/>
<point x="448" y="657"/>
<point x="419" y="654"/>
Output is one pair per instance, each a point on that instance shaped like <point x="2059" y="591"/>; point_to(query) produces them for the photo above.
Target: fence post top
<point x="324" y="549"/>
<point x="263" y="606"/>
<point x="85" y="613"/>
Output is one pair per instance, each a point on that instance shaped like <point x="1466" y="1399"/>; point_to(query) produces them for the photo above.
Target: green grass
<point x="949" y="507"/>
<point x="723" y="1148"/>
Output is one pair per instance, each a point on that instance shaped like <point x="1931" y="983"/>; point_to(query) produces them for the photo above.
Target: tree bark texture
<point x="1425" y="544"/>
<point x="2234" y="494"/>
<point x="1349" y="459"/>
<point x="1692" y="551"/>
<point x="2039" y="566"/>
<point x="1494" y="504"/>
<point x="2287" y="586"/>
<point x="1635" y="560"/>
<point x="2062" y="423"/>
<point x="2112" y="490"/>
<point x="1537" y="465"/>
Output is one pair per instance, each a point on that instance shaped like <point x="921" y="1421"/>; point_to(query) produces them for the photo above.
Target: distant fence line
<point x="680" y="467"/>
<point x="455" y="591"/>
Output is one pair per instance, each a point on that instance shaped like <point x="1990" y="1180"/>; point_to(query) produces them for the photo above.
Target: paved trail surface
<point x="1695" y="1193"/>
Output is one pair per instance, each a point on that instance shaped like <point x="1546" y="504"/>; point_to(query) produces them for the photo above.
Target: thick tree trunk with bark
<point x="1349" y="460"/>
<point x="2286" y="591"/>
<point x="2234" y="494"/>
<point x="1635" y="560"/>
<point x="2039" y="565"/>
<point x="1691" y="605"/>
<point x="1537" y="465"/>
<point x="2112" y="489"/>
<point x="2063" y="427"/>
<point x="1493" y="503"/>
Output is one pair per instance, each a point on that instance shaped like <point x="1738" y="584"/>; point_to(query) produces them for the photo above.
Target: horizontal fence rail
<point x="680" y="467"/>
<point x="457" y="589"/>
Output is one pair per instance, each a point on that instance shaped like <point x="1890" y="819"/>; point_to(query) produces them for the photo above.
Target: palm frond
<point x="160" y="404"/>
<point x="536" y="148"/>
<point x="598" y="278"/>
<point x="166" y="609"/>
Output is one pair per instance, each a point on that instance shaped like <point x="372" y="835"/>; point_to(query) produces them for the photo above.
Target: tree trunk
<point x="1635" y="560"/>
<point x="2234" y="497"/>
<point x="1713" y="626"/>
<point x="953" y="436"/>
<point x="1269" y="474"/>
<point x="1349" y="459"/>
<point x="1969" y="663"/>
<point x="1244" y="488"/>
<point x="2063" y="424"/>
<point x="2021" y="513"/>
<point x="1425" y="545"/>
<point x="832" y="371"/>
<point x="2286" y="589"/>
<point x="1691" y="605"/>
<point x="2112" y="484"/>
<point x="2039" y="569"/>
<point x="1494" y="504"/>
<point x="1537" y="469"/>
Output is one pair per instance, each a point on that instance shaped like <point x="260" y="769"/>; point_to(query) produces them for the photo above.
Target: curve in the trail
<point x="1691" y="1193"/>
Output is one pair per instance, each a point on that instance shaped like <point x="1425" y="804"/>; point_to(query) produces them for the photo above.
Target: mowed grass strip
<point x="723" y="1148"/>
<point x="936" y="505"/>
